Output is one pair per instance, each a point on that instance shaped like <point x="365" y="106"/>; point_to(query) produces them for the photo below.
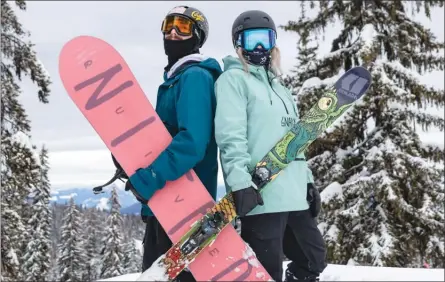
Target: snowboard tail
<point x="331" y="105"/>
<point x="102" y="86"/>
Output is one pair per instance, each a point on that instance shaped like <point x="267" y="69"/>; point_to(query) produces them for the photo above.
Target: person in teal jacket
<point x="254" y="111"/>
<point x="186" y="104"/>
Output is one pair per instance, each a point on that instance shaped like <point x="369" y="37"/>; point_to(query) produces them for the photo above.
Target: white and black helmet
<point x="197" y="17"/>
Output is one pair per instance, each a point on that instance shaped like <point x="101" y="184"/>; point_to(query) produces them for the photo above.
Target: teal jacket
<point x="186" y="105"/>
<point x="251" y="117"/>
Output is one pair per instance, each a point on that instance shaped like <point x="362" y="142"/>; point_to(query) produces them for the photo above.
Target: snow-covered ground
<point x="353" y="273"/>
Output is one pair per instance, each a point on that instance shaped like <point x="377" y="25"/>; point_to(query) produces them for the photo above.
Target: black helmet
<point x="249" y="20"/>
<point x="197" y="17"/>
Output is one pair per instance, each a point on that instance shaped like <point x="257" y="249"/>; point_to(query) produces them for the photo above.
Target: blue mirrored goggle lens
<point x="253" y="38"/>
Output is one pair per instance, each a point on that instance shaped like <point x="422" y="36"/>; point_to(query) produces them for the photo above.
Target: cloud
<point x="80" y="168"/>
<point x="85" y="168"/>
<point x="67" y="197"/>
<point x="77" y="155"/>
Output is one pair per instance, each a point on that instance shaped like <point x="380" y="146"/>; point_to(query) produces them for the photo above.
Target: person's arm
<point x="188" y="147"/>
<point x="231" y="131"/>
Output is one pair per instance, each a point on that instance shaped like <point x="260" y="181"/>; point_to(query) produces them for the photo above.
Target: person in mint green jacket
<point x="254" y="111"/>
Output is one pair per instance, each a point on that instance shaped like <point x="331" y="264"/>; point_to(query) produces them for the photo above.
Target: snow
<point x="249" y="255"/>
<point x="126" y="277"/>
<point x="154" y="273"/>
<point x="139" y="246"/>
<point x="367" y="36"/>
<point x="351" y="272"/>
<point x="103" y="204"/>
<point x="25" y="141"/>
<point x="42" y="67"/>
<point x="332" y="232"/>
<point x="333" y="190"/>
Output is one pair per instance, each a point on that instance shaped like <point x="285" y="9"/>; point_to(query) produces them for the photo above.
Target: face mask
<point x="257" y="57"/>
<point x="176" y="49"/>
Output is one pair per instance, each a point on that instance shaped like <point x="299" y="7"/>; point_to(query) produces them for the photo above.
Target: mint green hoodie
<point x="250" y="119"/>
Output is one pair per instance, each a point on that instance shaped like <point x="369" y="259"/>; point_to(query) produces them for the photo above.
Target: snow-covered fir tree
<point x="112" y="253"/>
<point x="93" y="236"/>
<point x="56" y="224"/>
<point x="19" y="159"/>
<point x="302" y="79"/>
<point x="71" y="258"/>
<point x="37" y="257"/>
<point x="383" y="188"/>
<point x="306" y="60"/>
<point x="132" y="260"/>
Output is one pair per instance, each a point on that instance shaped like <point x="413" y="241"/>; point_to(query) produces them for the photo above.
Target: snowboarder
<point x="186" y="104"/>
<point x="251" y="105"/>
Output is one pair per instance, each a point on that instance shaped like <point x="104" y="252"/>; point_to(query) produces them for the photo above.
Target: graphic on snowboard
<point x="331" y="105"/>
<point x="104" y="89"/>
<point x="202" y="233"/>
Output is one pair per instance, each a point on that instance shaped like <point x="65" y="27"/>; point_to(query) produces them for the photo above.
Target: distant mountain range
<point x="86" y="198"/>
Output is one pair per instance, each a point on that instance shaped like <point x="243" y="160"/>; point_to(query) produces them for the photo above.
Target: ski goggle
<point x="182" y="25"/>
<point x="252" y="38"/>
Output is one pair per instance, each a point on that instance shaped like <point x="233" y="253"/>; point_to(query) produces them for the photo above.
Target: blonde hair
<point x="275" y="61"/>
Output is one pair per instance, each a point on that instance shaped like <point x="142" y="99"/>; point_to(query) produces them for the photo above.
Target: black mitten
<point x="246" y="200"/>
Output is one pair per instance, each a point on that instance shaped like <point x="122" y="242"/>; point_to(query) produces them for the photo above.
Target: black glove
<point x="314" y="199"/>
<point x="246" y="200"/>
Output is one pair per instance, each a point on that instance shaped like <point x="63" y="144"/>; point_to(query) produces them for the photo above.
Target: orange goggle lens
<point x="182" y="25"/>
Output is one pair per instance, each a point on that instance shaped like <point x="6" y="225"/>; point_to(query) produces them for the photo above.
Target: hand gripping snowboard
<point x="102" y="86"/>
<point x="333" y="104"/>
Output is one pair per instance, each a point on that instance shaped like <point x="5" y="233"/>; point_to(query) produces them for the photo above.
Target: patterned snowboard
<point x="102" y="86"/>
<point x="333" y="103"/>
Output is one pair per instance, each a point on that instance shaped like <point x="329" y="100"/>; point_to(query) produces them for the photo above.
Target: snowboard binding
<point x="261" y="176"/>
<point x="210" y="226"/>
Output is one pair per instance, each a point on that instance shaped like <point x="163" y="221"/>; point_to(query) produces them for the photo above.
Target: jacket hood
<point x="208" y="63"/>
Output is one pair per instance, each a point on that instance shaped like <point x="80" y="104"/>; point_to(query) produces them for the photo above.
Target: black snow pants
<point x="157" y="243"/>
<point x="293" y="234"/>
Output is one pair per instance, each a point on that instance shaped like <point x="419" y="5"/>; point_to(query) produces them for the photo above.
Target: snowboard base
<point x="102" y="86"/>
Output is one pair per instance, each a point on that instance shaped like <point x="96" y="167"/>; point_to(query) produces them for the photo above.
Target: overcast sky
<point x="78" y="156"/>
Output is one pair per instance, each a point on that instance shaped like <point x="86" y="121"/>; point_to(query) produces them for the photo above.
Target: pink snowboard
<point x="105" y="90"/>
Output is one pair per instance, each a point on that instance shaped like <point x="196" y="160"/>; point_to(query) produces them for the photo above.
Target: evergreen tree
<point x="112" y="253"/>
<point x="37" y="258"/>
<point x="93" y="239"/>
<point x="132" y="260"/>
<point x="19" y="160"/>
<point x="307" y="65"/>
<point x="383" y="189"/>
<point x="55" y="227"/>
<point x="71" y="261"/>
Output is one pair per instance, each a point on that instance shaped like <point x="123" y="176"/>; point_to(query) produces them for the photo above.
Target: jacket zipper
<point x="270" y="83"/>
